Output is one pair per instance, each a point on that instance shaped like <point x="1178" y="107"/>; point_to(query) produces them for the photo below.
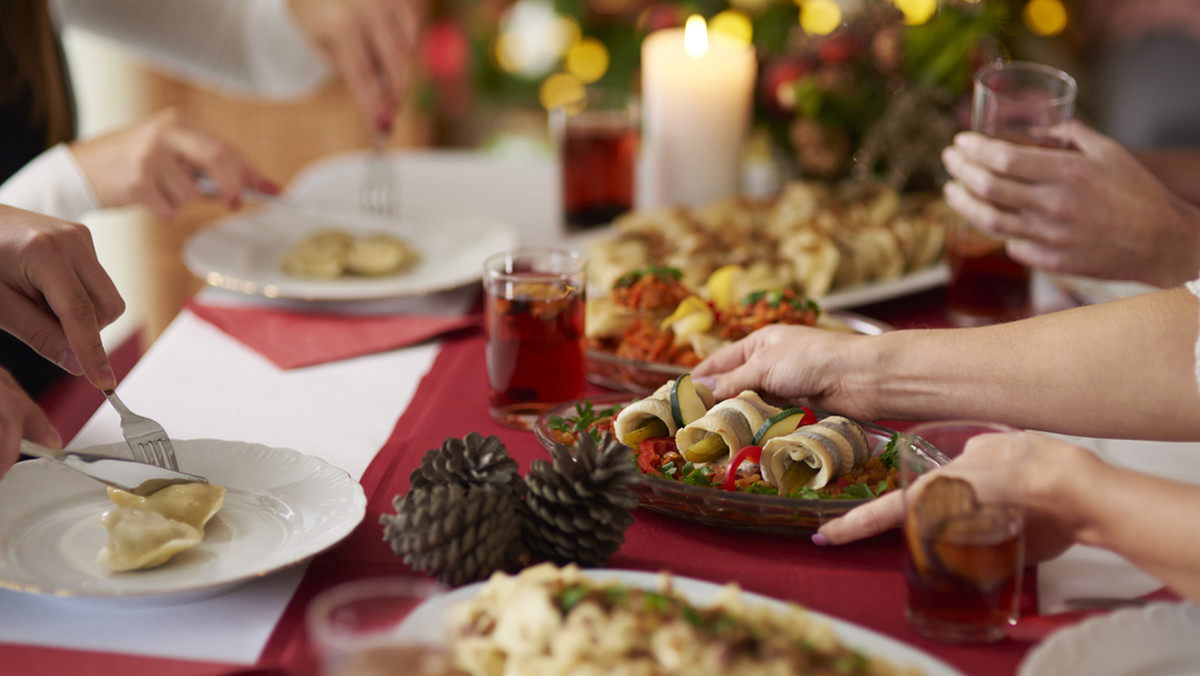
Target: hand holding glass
<point x="965" y="536"/>
<point x="1021" y="103"/>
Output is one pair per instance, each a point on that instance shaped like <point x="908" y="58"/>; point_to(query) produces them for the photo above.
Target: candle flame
<point x="695" y="36"/>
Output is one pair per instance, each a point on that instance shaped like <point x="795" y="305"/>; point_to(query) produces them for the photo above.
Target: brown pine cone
<point x="579" y="507"/>
<point x="472" y="460"/>
<point x="457" y="533"/>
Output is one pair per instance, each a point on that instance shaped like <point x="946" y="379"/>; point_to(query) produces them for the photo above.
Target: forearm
<point x="1119" y="369"/>
<point x="1150" y="521"/>
<point x="1178" y="169"/>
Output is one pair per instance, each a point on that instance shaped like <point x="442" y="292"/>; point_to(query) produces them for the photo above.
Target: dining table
<point x="329" y="379"/>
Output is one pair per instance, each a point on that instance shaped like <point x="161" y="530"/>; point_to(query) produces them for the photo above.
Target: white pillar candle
<point x="697" y="91"/>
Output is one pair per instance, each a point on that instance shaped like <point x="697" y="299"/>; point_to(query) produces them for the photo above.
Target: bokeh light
<point x="558" y="89"/>
<point x="916" y="12"/>
<point x="734" y="24"/>
<point x="819" y="17"/>
<point x="531" y="39"/>
<point x="1045" y="17"/>
<point x="587" y="60"/>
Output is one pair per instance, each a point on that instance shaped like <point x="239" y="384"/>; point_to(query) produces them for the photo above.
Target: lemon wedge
<point x="720" y="285"/>
<point x="692" y="317"/>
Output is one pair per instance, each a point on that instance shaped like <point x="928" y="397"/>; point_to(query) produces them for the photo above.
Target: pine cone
<point x="472" y="460"/>
<point x="577" y="509"/>
<point x="457" y="533"/>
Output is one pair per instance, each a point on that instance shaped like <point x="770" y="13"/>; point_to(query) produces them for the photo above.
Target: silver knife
<point x="136" y="477"/>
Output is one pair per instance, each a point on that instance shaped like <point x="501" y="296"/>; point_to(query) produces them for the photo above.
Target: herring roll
<point x="726" y="427"/>
<point x="661" y="413"/>
<point x="814" y="455"/>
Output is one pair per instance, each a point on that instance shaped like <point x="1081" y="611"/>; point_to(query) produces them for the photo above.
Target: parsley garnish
<point x="585" y="417"/>
<point x="890" y="457"/>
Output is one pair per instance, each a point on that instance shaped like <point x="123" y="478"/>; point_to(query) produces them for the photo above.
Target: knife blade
<point x="135" y="477"/>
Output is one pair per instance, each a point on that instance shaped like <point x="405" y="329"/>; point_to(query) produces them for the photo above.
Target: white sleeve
<point x="53" y="183"/>
<point x="241" y="46"/>
<point x="1194" y="287"/>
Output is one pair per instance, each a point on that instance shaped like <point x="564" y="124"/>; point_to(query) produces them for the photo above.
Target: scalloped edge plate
<point x="1159" y="639"/>
<point x="281" y="508"/>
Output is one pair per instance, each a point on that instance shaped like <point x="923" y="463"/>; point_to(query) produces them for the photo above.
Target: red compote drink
<point x="598" y="158"/>
<point x="535" y="334"/>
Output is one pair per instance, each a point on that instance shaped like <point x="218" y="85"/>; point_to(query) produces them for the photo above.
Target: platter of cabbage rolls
<point x="743" y="462"/>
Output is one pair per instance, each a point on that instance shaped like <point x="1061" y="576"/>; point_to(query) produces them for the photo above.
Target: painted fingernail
<point x="820" y="540"/>
<point x="70" y="363"/>
<point x="707" y="381"/>
<point x="269" y="187"/>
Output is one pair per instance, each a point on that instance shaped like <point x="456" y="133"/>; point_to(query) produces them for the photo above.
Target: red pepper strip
<point x="809" y="418"/>
<point x="746" y="454"/>
<point x="651" y="452"/>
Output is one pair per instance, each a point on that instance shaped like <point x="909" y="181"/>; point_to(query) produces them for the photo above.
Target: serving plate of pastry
<point x="741" y="463"/>
<point x="652" y="324"/>
<point x="281" y="253"/>
<point x="264" y="509"/>
<point x="843" y="244"/>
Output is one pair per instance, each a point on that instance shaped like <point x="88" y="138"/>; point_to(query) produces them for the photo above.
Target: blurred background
<point x="845" y="88"/>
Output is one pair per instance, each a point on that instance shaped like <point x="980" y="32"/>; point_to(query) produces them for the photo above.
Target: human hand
<point x="372" y="43"/>
<point x="1092" y="210"/>
<point x="157" y="162"/>
<point x="1032" y="473"/>
<point x="791" y="362"/>
<point x="54" y="295"/>
<point x="20" y="418"/>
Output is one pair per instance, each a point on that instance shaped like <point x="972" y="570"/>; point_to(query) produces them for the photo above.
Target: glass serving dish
<point x="628" y="375"/>
<point x="729" y="509"/>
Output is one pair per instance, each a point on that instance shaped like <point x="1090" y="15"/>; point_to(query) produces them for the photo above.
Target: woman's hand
<point x="157" y="163"/>
<point x="1035" y="471"/>
<point x="54" y="295"/>
<point x="372" y="43"/>
<point x="20" y="418"/>
<point x="797" y="363"/>
<point x="1091" y="210"/>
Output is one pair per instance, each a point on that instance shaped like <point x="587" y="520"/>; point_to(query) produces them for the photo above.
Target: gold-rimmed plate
<point x="281" y="507"/>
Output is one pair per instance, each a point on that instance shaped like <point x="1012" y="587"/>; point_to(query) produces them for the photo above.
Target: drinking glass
<point x="966" y="549"/>
<point x="375" y="627"/>
<point x="534" y="320"/>
<point x="598" y="134"/>
<point x="1023" y="103"/>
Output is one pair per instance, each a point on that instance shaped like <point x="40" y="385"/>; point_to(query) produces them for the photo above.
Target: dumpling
<point x="193" y="503"/>
<point x="139" y="538"/>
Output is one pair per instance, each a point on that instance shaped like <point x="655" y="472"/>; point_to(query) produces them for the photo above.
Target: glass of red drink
<point x="374" y="627"/>
<point x="1022" y="103"/>
<point x="598" y="133"/>
<point x="534" y="319"/>
<point x="966" y="549"/>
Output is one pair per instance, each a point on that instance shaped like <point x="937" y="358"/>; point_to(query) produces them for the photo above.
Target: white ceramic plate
<point x="281" y="507"/>
<point x="1158" y="639"/>
<point x="428" y="623"/>
<point x="919" y="280"/>
<point x="244" y="253"/>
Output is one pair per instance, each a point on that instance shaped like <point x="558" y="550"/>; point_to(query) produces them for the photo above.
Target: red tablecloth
<point x="861" y="583"/>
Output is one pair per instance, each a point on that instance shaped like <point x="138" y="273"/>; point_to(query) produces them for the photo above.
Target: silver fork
<point x="377" y="194"/>
<point x="146" y="438"/>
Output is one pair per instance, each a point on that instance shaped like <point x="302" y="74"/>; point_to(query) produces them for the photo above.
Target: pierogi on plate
<point x="144" y="532"/>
